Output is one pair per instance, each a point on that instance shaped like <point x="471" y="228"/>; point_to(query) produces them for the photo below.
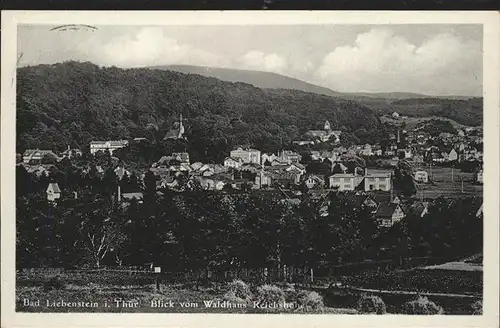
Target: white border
<point x="491" y="68"/>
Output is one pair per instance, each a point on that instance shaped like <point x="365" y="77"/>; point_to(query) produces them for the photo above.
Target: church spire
<point x="181" y="127"/>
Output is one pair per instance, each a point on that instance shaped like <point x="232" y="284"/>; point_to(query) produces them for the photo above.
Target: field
<point x="411" y="121"/>
<point x="136" y="293"/>
<point x="445" y="183"/>
<point x="119" y="292"/>
<point x="455" y="290"/>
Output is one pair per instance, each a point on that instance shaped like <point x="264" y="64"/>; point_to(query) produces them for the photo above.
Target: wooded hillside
<point x="74" y="103"/>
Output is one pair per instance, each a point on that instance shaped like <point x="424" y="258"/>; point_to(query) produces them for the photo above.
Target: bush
<point x="477" y="307"/>
<point x="289" y="288"/>
<point x="421" y="305"/>
<point x="269" y="294"/>
<point x="371" y="304"/>
<point x="239" y="289"/>
<point x="309" y="300"/>
<point x="54" y="283"/>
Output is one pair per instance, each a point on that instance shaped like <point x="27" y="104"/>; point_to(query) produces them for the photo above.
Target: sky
<point x="432" y="59"/>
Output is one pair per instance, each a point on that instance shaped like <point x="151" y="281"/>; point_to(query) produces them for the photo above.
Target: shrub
<point x="239" y="289"/>
<point x="231" y="297"/>
<point x="421" y="305"/>
<point x="54" y="283"/>
<point x="309" y="300"/>
<point x="477" y="307"/>
<point x="269" y="294"/>
<point x="288" y="288"/>
<point x="371" y="304"/>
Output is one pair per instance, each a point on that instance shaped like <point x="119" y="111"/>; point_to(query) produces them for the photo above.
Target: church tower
<point x="181" y="128"/>
<point x="327" y="126"/>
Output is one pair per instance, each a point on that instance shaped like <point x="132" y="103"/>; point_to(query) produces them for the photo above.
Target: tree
<point x="305" y="157"/>
<point x="403" y="182"/>
<point x="48" y="159"/>
<point x="101" y="232"/>
<point x="150" y="183"/>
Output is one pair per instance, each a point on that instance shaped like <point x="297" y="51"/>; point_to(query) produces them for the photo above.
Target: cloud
<point x="264" y="62"/>
<point x="380" y="60"/>
<point x="148" y="46"/>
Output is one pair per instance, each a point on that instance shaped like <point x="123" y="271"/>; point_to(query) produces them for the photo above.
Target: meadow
<point x="412" y="121"/>
<point x="137" y="293"/>
<point x="445" y="181"/>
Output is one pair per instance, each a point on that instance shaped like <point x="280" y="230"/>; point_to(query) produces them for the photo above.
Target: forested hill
<point x="259" y="79"/>
<point x="463" y="109"/>
<point x="74" y="103"/>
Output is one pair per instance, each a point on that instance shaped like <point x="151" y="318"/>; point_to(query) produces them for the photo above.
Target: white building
<point x="232" y="162"/>
<point x="366" y="150"/>
<point x="479" y="176"/>
<point x="452" y="156"/>
<point x="344" y="182"/>
<point x="421" y="176"/>
<point x="37" y="155"/>
<point x="263" y="179"/>
<point x="268" y="158"/>
<point x="407" y="153"/>
<point x="105" y="146"/>
<point x="53" y="192"/>
<point x="378" y="181"/>
<point x="247" y="155"/>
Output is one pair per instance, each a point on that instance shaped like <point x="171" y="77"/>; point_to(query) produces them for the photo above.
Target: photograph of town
<point x="298" y="169"/>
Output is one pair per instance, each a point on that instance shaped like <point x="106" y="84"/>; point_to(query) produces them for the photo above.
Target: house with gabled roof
<point x="339" y="167"/>
<point x="263" y="179"/>
<point x="53" y="192"/>
<point x="296" y="167"/>
<point x="287" y="179"/>
<point x="107" y="146"/>
<point x="418" y="209"/>
<point x="182" y="157"/>
<point x="120" y="172"/>
<point x="452" y="155"/>
<point x="247" y="155"/>
<point x="314" y="181"/>
<point x="378" y="181"/>
<point x="279" y="162"/>
<point x="128" y="196"/>
<point x="233" y="162"/>
<point x="388" y="214"/>
<point x="170" y="181"/>
<point x="421" y="176"/>
<point x="36" y="155"/>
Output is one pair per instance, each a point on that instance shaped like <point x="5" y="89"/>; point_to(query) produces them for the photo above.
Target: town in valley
<point x="231" y="187"/>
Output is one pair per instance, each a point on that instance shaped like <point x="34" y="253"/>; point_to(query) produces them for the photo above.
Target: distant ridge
<point x="269" y="80"/>
<point x="259" y="79"/>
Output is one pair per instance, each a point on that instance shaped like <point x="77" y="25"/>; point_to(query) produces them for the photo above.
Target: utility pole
<point x="452" y="174"/>
<point x="462" y="185"/>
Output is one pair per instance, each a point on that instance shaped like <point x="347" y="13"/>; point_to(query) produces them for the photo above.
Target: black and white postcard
<point x="258" y="168"/>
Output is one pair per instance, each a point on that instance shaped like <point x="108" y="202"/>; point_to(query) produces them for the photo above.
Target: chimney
<point x="366" y="171"/>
